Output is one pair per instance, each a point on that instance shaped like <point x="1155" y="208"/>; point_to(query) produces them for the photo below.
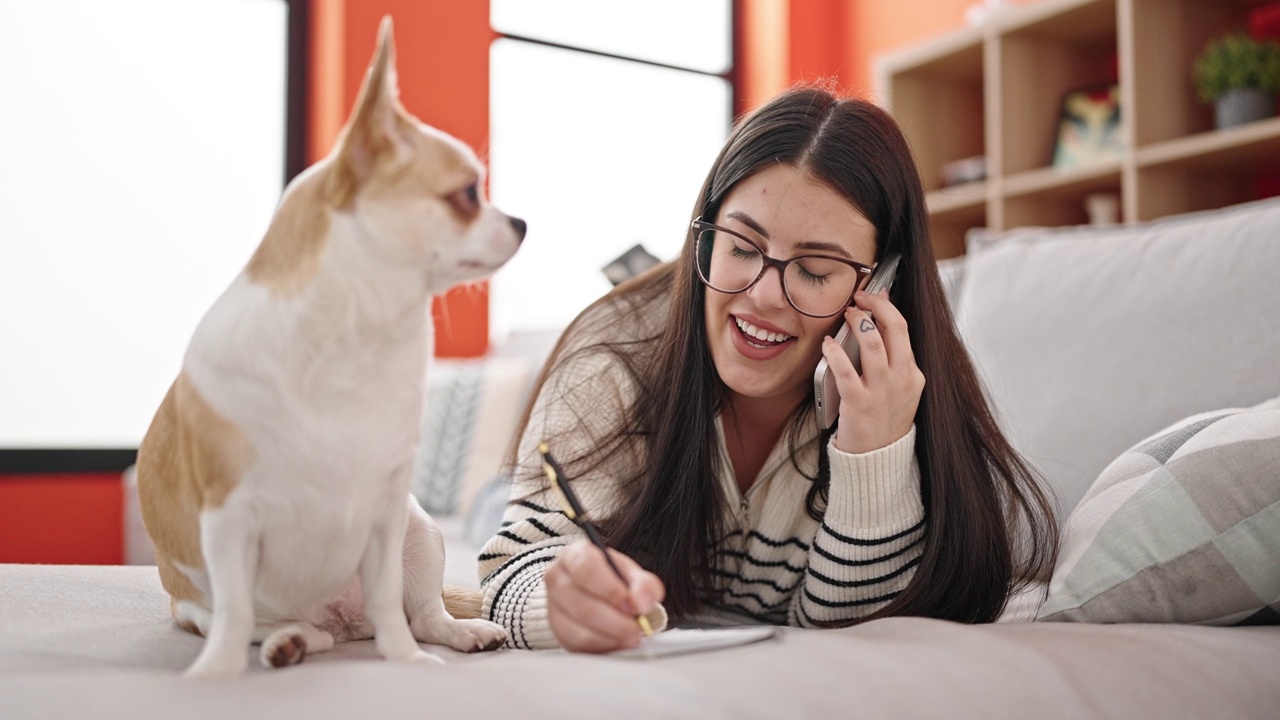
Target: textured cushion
<point x="472" y="407"/>
<point x="1184" y="527"/>
<point x="1089" y="339"/>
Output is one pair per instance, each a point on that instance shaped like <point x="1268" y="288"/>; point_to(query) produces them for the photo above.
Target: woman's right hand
<point x="589" y="608"/>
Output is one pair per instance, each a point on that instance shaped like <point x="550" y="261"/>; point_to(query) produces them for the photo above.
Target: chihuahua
<point x="274" y="478"/>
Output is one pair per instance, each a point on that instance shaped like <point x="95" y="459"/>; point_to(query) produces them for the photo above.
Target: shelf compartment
<point x="922" y="82"/>
<point x="1050" y="197"/>
<point x="1045" y="52"/>
<point x="1167" y="37"/>
<point x="1209" y="170"/>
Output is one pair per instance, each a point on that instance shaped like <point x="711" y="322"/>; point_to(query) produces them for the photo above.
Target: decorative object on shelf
<point x="1240" y="76"/>
<point x="1103" y="208"/>
<point x="964" y="170"/>
<point x="1089" y="127"/>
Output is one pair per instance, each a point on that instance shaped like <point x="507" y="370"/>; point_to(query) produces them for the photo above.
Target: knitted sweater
<point x="780" y="566"/>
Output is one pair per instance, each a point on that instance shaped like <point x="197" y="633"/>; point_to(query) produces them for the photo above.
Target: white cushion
<point x="1089" y="339"/>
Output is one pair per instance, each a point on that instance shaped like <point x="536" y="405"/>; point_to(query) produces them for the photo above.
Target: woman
<point x="681" y="406"/>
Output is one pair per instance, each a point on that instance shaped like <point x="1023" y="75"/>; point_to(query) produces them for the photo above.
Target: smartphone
<point x="826" y="394"/>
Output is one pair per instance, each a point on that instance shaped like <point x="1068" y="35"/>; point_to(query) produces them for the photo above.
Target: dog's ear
<point x="376" y="119"/>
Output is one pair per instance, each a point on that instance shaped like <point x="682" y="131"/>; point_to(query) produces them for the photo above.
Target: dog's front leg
<point x="230" y="547"/>
<point x="382" y="580"/>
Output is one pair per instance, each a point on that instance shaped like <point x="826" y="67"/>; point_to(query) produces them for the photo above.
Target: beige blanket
<point x="80" y="642"/>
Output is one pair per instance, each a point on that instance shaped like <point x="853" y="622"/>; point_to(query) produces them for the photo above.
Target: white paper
<point x="680" y="641"/>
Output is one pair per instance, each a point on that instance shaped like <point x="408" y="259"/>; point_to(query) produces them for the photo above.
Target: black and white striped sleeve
<point x="871" y="537"/>
<point x="577" y="407"/>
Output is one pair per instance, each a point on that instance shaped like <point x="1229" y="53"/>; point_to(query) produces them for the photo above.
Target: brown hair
<point x="990" y="525"/>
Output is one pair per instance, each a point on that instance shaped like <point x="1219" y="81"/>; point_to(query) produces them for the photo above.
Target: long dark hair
<point x="991" y="527"/>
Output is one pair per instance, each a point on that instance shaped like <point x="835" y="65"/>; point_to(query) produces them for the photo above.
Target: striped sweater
<point x="780" y="566"/>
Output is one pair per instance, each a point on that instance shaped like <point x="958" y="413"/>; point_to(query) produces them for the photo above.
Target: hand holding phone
<point x="826" y="394"/>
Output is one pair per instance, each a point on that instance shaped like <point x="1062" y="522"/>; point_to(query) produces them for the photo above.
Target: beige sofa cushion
<point x="1089" y="339"/>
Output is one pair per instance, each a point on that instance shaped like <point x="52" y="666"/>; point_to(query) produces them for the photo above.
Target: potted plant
<point x="1240" y="76"/>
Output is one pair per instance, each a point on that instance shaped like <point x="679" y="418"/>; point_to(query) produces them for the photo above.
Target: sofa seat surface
<point x="95" y="641"/>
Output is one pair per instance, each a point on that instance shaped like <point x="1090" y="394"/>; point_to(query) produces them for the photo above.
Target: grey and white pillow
<point x="1184" y="527"/>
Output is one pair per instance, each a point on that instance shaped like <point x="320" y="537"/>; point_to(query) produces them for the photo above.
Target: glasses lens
<point x="819" y="286"/>
<point x="726" y="262"/>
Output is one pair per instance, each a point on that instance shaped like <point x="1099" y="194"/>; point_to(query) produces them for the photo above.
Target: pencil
<point x="578" y="514"/>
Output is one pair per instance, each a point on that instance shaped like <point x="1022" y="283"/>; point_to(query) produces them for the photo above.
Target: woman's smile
<point x="763" y="347"/>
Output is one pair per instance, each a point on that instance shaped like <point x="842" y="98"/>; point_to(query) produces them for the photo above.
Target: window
<point x="144" y="146"/>
<point x="605" y="118"/>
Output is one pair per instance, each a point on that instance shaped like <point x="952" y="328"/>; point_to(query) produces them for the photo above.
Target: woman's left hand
<point x="878" y="406"/>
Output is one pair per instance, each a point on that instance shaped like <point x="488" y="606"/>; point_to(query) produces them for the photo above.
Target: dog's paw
<point x="467" y="636"/>
<point x="283" y="649"/>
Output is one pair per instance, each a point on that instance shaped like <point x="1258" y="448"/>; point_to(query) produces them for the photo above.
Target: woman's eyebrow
<point x="749" y="221"/>
<point x="829" y="248"/>
<point x="826" y="247"/>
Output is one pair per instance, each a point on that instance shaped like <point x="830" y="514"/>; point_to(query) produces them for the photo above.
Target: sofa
<point x="1137" y="368"/>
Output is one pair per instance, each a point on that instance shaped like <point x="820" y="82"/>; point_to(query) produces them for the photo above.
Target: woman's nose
<point x="768" y="292"/>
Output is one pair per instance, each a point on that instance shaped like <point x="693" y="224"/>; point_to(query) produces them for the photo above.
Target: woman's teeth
<point x="772" y="338"/>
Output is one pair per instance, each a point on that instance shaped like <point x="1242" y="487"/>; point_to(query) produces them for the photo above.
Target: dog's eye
<point x="466" y="202"/>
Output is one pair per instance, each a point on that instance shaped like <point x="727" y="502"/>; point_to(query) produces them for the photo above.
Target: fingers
<point x="590" y="608"/>
<point x="891" y="336"/>
<point x="878" y="406"/>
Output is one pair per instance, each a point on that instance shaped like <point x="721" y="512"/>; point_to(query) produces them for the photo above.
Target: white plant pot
<point x="1243" y="105"/>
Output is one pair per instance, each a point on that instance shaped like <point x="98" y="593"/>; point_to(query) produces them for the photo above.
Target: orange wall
<point x="73" y="518"/>
<point x="786" y="41"/>
<point x="878" y="26"/>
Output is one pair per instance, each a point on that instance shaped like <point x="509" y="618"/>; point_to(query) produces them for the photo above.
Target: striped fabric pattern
<point x="1182" y="528"/>
<point x="780" y="566"/>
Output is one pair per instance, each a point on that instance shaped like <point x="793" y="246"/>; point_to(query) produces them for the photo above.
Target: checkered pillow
<point x="1184" y="527"/>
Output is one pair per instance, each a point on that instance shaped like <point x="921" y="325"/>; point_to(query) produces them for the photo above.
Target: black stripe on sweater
<point x="542" y="527"/>
<point x="759" y="581"/>
<point x="536" y="507"/>
<point x="497" y="599"/>
<point x="864" y="583"/>
<point x="846" y="603"/>
<point x="877" y="541"/>
<point x="767" y="607"/>
<point x="518" y="557"/>
<point x="778" y="543"/>
<point x="858" y="563"/>
<point x="762" y="563"/>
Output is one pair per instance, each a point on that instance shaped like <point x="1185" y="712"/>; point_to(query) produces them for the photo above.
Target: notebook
<point x="682" y="641"/>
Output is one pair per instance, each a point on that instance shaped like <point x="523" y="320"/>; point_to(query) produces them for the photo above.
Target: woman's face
<point x="787" y="213"/>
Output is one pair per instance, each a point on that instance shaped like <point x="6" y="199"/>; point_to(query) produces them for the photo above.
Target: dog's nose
<point x="519" y="225"/>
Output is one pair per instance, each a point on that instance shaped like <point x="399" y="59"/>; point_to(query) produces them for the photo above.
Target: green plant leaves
<point x="1236" y="60"/>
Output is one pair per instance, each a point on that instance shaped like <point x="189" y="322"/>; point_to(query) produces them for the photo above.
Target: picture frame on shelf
<point x="1089" y="127"/>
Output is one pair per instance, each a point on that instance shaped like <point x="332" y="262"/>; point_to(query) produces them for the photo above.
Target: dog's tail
<point x="461" y="603"/>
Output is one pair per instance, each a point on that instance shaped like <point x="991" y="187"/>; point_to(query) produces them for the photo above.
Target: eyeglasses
<point x="815" y="285"/>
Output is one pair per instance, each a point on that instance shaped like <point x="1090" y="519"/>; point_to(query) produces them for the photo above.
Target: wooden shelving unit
<point x="997" y="91"/>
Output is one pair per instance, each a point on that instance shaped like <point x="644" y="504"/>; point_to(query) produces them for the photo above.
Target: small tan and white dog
<point x="274" y="479"/>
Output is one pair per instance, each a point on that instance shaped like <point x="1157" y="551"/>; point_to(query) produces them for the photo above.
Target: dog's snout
<point x="519" y="225"/>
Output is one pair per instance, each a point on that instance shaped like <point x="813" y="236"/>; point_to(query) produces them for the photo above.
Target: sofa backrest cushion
<point x="1089" y="339"/>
